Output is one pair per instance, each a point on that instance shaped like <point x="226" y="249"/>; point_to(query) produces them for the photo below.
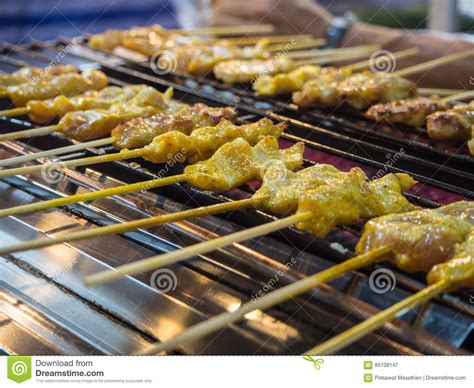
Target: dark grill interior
<point x="135" y="314"/>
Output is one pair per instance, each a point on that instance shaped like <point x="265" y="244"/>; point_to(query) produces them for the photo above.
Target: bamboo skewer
<point x="396" y="55"/>
<point x="122" y="155"/>
<point x="57" y="151"/>
<point x="91" y="196"/>
<point x="193" y="250"/>
<point x="459" y="96"/>
<point x="269" y="300"/>
<point x="357" y="332"/>
<point x="14" y="112"/>
<point x="228" y="30"/>
<point x="288" y="46"/>
<point x="437" y="91"/>
<point x="429" y="65"/>
<point x="368" y="49"/>
<point x="40" y="131"/>
<point x="251" y="40"/>
<point x="133" y="225"/>
<point x="330" y="59"/>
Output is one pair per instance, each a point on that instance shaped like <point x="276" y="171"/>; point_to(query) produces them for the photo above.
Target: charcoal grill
<point x="45" y="309"/>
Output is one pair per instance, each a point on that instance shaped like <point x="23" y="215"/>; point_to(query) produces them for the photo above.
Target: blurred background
<point x="24" y="20"/>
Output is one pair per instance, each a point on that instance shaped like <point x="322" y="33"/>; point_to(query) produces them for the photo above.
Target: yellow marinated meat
<point x="141" y="131"/>
<point x="96" y="123"/>
<point x="350" y="197"/>
<point x="204" y="141"/>
<point x="455" y="123"/>
<point x="199" y="57"/>
<point x="268" y="85"/>
<point x="460" y="269"/>
<point x="420" y="238"/>
<point x="410" y="112"/>
<point x="42" y="111"/>
<point x="358" y="91"/>
<point x="285" y="187"/>
<point x="237" y="162"/>
<point x="29" y="73"/>
<point x="69" y="84"/>
<point x="245" y="71"/>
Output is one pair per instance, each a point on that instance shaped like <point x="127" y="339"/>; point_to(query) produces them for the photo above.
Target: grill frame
<point x="256" y="216"/>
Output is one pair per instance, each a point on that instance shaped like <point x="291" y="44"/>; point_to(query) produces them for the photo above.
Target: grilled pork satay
<point x="455" y="123"/>
<point x="28" y="73"/>
<point x="141" y="131"/>
<point x="204" y="141"/>
<point x="199" y="57"/>
<point x="460" y="269"/>
<point x="411" y="112"/>
<point x="146" y="40"/>
<point x="96" y="123"/>
<point x="420" y="238"/>
<point x="238" y="162"/>
<point x="245" y="71"/>
<point x="350" y="197"/>
<point x="42" y="111"/>
<point x="273" y="85"/>
<point x="358" y="91"/>
<point x="69" y="84"/>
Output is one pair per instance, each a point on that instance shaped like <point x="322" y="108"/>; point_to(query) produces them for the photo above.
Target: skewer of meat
<point x="454" y="273"/>
<point x="283" y="83"/>
<point x="92" y="124"/>
<point x="68" y="84"/>
<point x="459" y="214"/>
<point x="260" y="71"/>
<point x="230" y="166"/>
<point x="455" y="123"/>
<point x="197" y="145"/>
<point x="28" y="73"/>
<point x="415" y="111"/>
<point x="326" y="201"/>
<point x="362" y="90"/>
<point x="43" y="111"/>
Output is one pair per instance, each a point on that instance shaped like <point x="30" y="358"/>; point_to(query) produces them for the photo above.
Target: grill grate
<point x="245" y="277"/>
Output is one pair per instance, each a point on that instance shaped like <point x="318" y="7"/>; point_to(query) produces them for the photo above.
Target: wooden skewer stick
<point x="122" y="155"/>
<point x="269" y="300"/>
<point x="368" y="49"/>
<point x="40" y="131"/>
<point x="357" y="332"/>
<point x="397" y="55"/>
<point x="459" y="96"/>
<point x="91" y="196"/>
<point x="438" y="91"/>
<point x="331" y="58"/>
<point x="289" y="46"/>
<point x="229" y="30"/>
<point x="133" y="225"/>
<point x="251" y="40"/>
<point x="193" y="250"/>
<point x="57" y="151"/>
<point x="14" y="112"/>
<point x="429" y="65"/>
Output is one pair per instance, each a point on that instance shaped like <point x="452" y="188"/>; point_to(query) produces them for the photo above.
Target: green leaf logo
<point x="316" y="361"/>
<point x="19" y="368"/>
